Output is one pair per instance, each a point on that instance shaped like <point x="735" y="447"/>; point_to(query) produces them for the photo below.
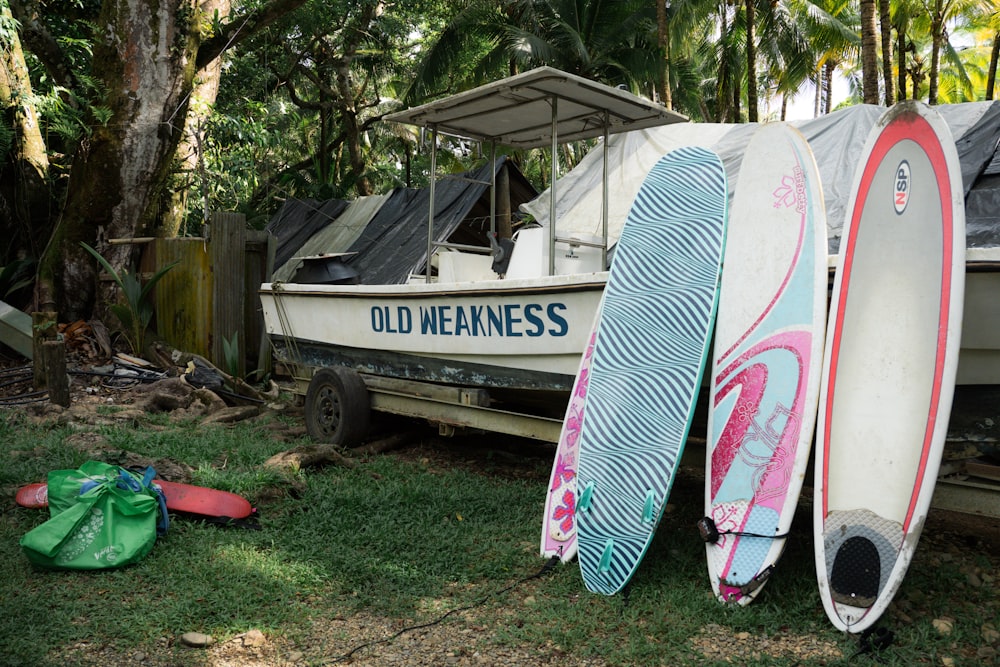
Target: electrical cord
<point x="549" y="564"/>
<point x="25" y="399"/>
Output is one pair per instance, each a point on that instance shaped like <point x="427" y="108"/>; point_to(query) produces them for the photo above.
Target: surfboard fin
<point x="605" y="565"/>
<point x="583" y="504"/>
<point x="649" y="507"/>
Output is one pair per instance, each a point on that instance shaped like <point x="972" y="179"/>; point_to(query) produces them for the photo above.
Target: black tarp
<point x="394" y="244"/>
<point x="298" y="220"/>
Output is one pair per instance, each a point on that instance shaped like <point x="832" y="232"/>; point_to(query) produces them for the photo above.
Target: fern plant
<point x="231" y="352"/>
<point x="137" y="310"/>
<point x="15" y="276"/>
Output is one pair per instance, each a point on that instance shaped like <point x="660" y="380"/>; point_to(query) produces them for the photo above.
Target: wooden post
<point x="504" y="230"/>
<point x="227" y="252"/>
<point x="264" y="348"/>
<point x="44" y="327"/>
<point x="56" y="379"/>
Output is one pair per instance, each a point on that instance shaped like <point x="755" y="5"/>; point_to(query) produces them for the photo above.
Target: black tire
<point x="338" y="409"/>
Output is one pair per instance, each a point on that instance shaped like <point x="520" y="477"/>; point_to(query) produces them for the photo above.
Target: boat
<point x="424" y="328"/>
<point x="505" y="321"/>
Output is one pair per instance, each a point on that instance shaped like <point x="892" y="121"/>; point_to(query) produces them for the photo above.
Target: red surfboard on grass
<point x="185" y="498"/>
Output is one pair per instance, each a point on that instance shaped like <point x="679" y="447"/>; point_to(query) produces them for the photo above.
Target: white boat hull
<point x="379" y="328"/>
<point x="516" y="334"/>
<point x="979" y="356"/>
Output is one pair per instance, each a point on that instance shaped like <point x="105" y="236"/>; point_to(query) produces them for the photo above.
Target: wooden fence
<point x="211" y="295"/>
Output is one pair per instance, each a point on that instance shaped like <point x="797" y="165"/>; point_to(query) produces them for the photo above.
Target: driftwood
<point x="388" y="444"/>
<point x="232" y="415"/>
<point x="166" y="356"/>
<point x="174" y="394"/>
<point x="309" y="455"/>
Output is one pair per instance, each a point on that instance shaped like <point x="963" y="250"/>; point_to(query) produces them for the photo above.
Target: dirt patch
<point x="717" y="643"/>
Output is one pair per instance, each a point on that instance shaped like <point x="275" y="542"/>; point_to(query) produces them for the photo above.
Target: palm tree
<point x="831" y="30"/>
<point x="785" y="50"/>
<point x="885" y="25"/>
<point x="751" y="47"/>
<point x="613" y="42"/>
<point x="663" y="42"/>
<point x="941" y="13"/>
<point x="698" y="68"/>
<point x="991" y="79"/>
<point x="901" y="23"/>
<point x="727" y="57"/>
<point x="869" y="54"/>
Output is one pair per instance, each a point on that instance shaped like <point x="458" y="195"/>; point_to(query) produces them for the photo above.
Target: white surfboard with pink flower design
<point x="765" y="373"/>
<point x="559" y="522"/>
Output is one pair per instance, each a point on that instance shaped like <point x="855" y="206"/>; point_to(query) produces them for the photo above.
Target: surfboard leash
<point x="711" y="534"/>
<point x="626" y="596"/>
<point x="546" y="568"/>
<point x="873" y="641"/>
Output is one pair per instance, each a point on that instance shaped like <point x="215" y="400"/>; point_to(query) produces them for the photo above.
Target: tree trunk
<point x="144" y="61"/>
<point x="145" y="58"/>
<point x="831" y="68"/>
<point x="189" y="151"/>
<point x="901" y="62"/>
<point x="885" y="23"/>
<point x="723" y="76"/>
<point x="916" y="77"/>
<point x="819" y="93"/>
<point x="991" y="79"/>
<point x="348" y="108"/>
<point x="349" y="117"/>
<point x="24" y="195"/>
<point x="663" y="40"/>
<point x="751" y="63"/>
<point x="937" y="30"/>
<point x="869" y="53"/>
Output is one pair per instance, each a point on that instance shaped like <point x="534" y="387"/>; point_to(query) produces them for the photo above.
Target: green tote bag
<point x="102" y="516"/>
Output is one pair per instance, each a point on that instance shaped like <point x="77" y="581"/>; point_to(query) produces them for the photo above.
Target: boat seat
<point x="461" y="267"/>
<point x="529" y="258"/>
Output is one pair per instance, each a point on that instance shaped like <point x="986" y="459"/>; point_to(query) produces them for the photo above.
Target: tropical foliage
<point x="264" y="100"/>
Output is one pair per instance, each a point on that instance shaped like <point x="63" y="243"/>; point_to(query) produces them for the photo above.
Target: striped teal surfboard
<point x="655" y="323"/>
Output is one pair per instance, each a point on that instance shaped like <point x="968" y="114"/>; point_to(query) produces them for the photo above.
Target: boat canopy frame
<point x="542" y="107"/>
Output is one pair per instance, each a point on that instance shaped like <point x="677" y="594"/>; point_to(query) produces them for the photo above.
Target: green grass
<point x="409" y="539"/>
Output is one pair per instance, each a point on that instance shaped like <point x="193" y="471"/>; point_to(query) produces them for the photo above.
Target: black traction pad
<point x="856" y="571"/>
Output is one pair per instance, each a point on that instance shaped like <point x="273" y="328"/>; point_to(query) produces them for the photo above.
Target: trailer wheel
<point x="337" y="408"/>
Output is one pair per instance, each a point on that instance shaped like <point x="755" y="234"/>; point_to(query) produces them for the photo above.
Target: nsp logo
<point x="901" y="190"/>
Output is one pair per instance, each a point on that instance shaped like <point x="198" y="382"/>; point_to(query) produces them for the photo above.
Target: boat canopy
<point x="519" y="111"/>
<point x="543" y="107"/>
<point x="837" y="141"/>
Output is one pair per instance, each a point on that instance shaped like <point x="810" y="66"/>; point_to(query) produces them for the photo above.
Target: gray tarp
<point x="394" y="244"/>
<point x="298" y="220"/>
<point x="332" y="238"/>
<point x="837" y="141"/>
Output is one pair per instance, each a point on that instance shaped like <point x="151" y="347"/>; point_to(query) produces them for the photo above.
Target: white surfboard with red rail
<point x="890" y="363"/>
